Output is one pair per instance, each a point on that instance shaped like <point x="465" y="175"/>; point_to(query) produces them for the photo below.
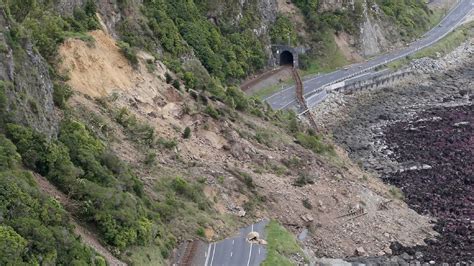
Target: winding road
<point x="314" y="90"/>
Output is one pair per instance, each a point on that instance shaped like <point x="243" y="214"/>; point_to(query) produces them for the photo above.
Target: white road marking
<point x="213" y="252"/>
<point x="207" y="254"/>
<point x="233" y="240"/>
<point x="231" y="253"/>
<point x="250" y="252"/>
<point x="258" y="251"/>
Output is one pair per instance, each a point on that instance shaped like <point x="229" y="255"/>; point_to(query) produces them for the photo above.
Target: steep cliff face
<point x="26" y="83"/>
<point x="262" y="13"/>
<point x="376" y="33"/>
<point x="333" y="5"/>
<point x="108" y="10"/>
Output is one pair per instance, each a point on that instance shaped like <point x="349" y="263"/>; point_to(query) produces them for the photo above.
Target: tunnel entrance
<point x="286" y="59"/>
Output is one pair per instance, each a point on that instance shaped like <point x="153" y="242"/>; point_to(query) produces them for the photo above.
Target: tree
<point x="12" y="245"/>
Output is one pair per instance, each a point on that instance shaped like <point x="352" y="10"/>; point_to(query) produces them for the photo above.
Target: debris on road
<point x="254" y="238"/>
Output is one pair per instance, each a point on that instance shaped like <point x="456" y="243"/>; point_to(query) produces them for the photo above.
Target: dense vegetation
<point x="34" y="228"/>
<point x="47" y="30"/>
<point x="283" y="31"/>
<point x="105" y="189"/>
<point x="228" y="52"/>
<point x="324" y="54"/>
<point x="411" y="16"/>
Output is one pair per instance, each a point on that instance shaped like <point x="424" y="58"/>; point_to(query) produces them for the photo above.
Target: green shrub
<point x="303" y="179"/>
<point x="212" y="112"/>
<point x="3" y="103"/>
<point x="293" y="162"/>
<point x="12" y="246"/>
<point x="150" y="158"/>
<point x="190" y="80"/>
<point x="176" y="84"/>
<point x="189" y="191"/>
<point x="168" y="78"/>
<point x="314" y="143"/>
<point x="62" y="92"/>
<point x="129" y="52"/>
<point x="9" y="158"/>
<point x="237" y="99"/>
<point x="200" y="232"/>
<point x="411" y="16"/>
<point x="150" y="65"/>
<point x="396" y="193"/>
<point x="48" y="29"/>
<point x="167" y="144"/>
<point x="264" y="137"/>
<point x="187" y="133"/>
<point x="141" y="132"/>
<point x="246" y="178"/>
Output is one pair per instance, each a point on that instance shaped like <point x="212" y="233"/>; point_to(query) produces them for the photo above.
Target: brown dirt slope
<point x="246" y="163"/>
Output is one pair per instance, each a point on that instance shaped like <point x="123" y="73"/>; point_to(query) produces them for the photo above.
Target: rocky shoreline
<point x="441" y="140"/>
<point x="418" y="136"/>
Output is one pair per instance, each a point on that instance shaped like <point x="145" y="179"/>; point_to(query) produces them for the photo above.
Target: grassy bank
<point x="267" y="91"/>
<point x="327" y="61"/>
<point x="281" y="245"/>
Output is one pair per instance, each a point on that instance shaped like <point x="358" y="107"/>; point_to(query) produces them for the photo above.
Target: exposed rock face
<point x="67" y="7"/>
<point x="108" y="10"/>
<point x="27" y="84"/>
<point x="332" y="5"/>
<point x="376" y="34"/>
<point x="372" y="37"/>
<point x="266" y="11"/>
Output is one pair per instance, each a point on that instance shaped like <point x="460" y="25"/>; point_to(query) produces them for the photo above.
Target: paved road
<point x="235" y="251"/>
<point x="313" y="86"/>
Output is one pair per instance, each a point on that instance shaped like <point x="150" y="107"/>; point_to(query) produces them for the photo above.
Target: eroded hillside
<point x="126" y="113"/>
<point x="247" y="167"/>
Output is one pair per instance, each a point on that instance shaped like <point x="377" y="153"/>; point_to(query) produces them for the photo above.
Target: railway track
<point x="300" y="97"/>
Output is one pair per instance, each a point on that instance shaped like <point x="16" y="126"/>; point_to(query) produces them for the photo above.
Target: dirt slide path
<point x="88" y="237"/>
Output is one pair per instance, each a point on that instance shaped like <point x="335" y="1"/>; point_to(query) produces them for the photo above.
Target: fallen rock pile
<point x="428" y="65"/>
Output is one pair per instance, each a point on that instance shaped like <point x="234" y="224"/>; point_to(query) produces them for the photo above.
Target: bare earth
<point x="217" y="147"/>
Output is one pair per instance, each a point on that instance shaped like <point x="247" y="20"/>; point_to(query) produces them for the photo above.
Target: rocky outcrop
<point x="27" y="84"/>
<point x="456" y="58"/>
<point x="108" y="10"/>
<point x="371" y="38"/>
<point x="332" y="5"/>
<point x="266" y="12"/>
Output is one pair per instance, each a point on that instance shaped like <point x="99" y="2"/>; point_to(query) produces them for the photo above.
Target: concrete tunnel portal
<point x="286" y="59"/>
<point x="284" y="55"/>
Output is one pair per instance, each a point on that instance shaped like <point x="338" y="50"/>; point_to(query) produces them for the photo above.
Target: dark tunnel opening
<point x="286" y="58"/>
